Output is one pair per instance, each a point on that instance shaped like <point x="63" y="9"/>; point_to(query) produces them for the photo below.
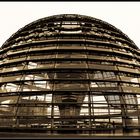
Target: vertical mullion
<point x="89" y="91"/>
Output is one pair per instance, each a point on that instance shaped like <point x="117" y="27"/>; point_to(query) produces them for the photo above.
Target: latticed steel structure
<point x="69" y="73"/>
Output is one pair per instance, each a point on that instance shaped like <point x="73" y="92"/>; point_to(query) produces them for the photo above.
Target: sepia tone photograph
<point x="70" y="70"/>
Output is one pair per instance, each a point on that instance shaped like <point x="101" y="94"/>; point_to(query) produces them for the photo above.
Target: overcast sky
<point x="123" y="15"/>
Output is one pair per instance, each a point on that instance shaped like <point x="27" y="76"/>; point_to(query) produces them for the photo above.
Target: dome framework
<point x="69" y="74"/>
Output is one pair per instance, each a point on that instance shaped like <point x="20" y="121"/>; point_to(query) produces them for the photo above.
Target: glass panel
<point x="37" y="86"/>
<point x="34" y="65"/>
<point x="71" y="66"/>
<point x="71" y="86"/>
<point x="12" y="78"/>
<point x="33" y="111"/>
<point x="114" y="100"/>
<point x="10" y="87"/>
<point x="41" y="56"/>
<point x="71" y="55"/>
<point x="14" y="68"/>
<point x="103" y="84"/>
<point x="71" y="75"/>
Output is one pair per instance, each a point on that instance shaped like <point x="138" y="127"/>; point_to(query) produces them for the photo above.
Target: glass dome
<point x="69" y="74"/>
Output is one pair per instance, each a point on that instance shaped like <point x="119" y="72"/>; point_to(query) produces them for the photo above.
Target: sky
<point x="123" y="15"/>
